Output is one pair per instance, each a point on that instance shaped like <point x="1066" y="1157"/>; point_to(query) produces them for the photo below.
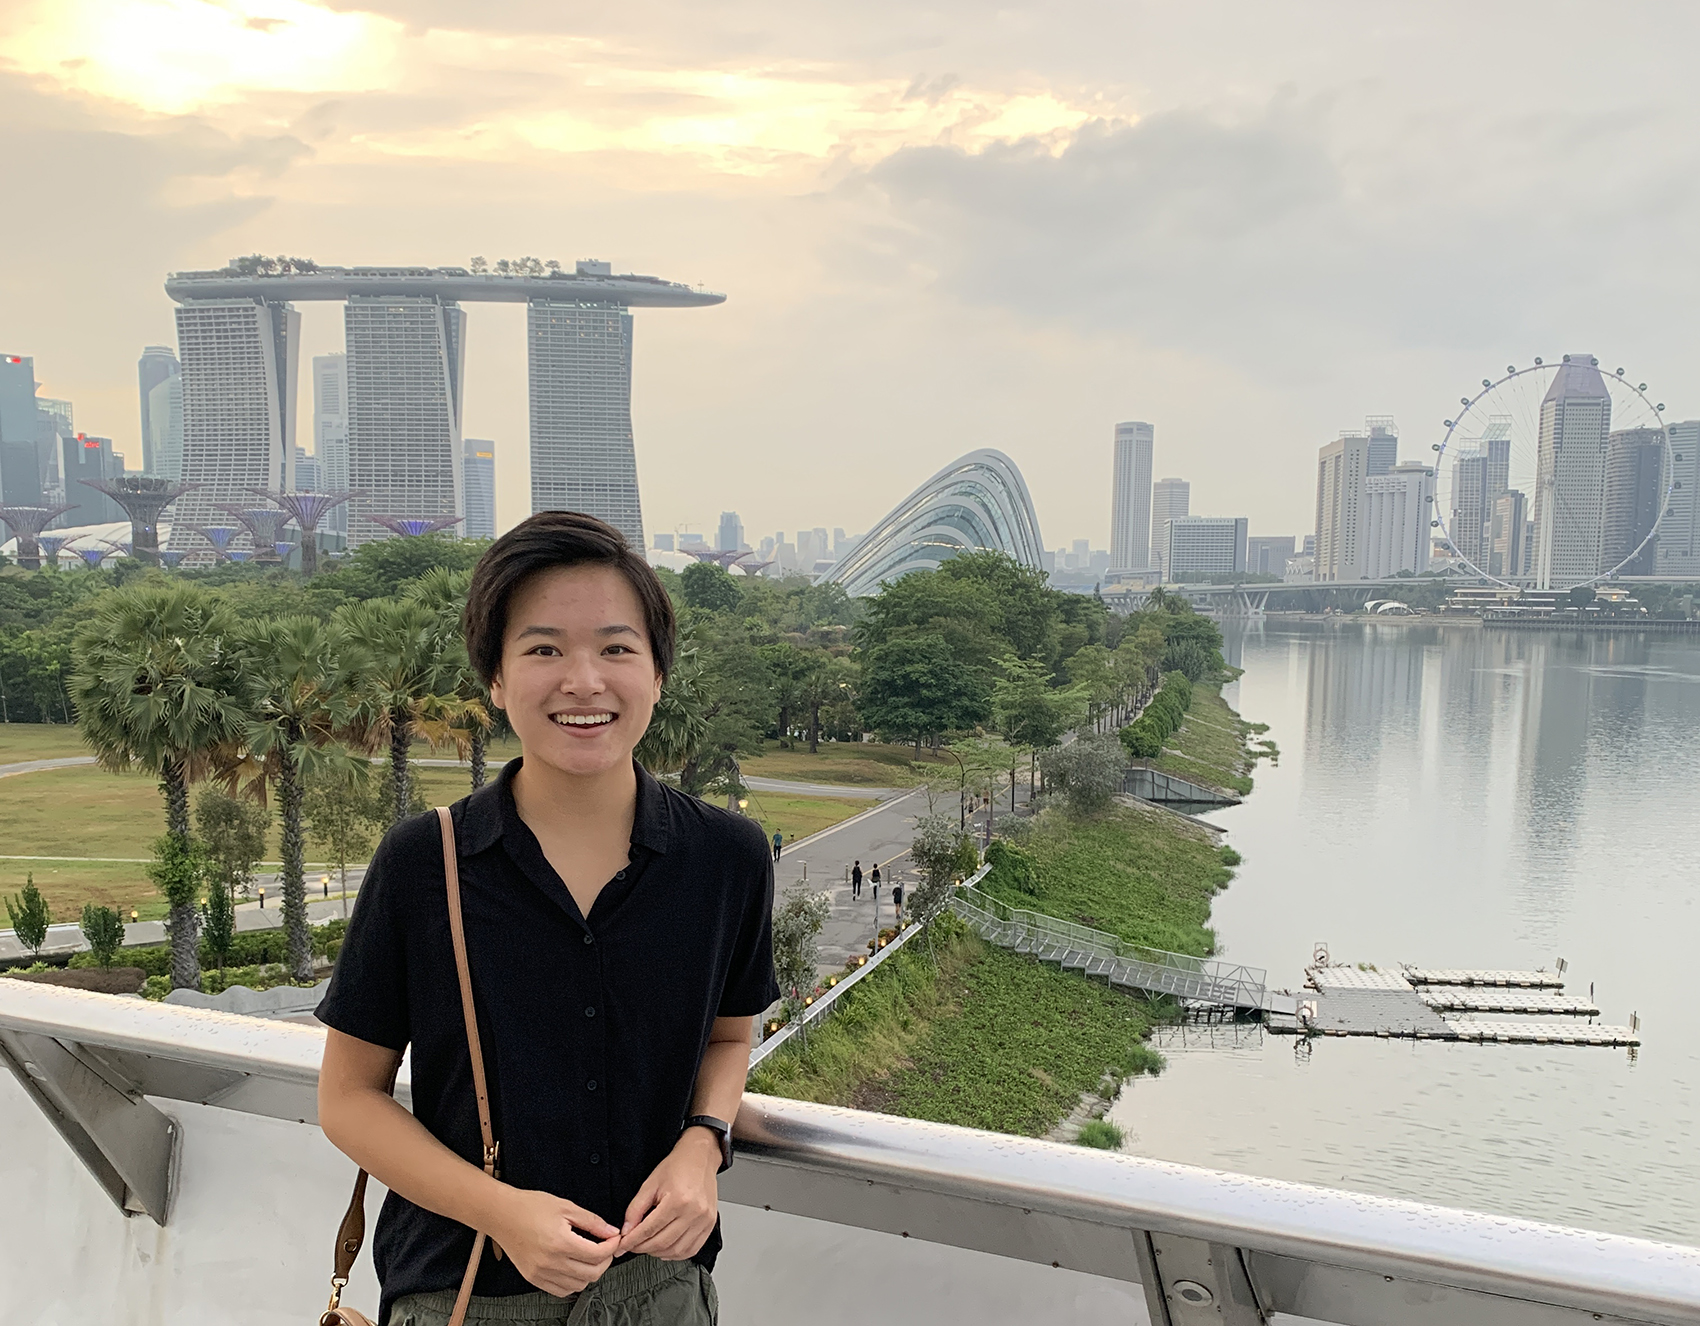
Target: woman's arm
<point x="535" y="1229"/>
<point x="674" y="1212"/>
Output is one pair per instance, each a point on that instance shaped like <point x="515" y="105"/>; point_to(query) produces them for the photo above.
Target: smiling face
<point x="578" y="679"/>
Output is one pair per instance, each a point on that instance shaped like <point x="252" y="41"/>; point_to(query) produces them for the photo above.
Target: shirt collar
<point x="485" y="815"/>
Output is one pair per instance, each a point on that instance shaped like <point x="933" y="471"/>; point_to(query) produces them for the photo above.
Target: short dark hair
<point x="545" y="541"/>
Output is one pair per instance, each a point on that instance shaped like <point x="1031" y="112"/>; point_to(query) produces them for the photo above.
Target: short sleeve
<point x="750" y="987"/>
<point x="367" y="998"/>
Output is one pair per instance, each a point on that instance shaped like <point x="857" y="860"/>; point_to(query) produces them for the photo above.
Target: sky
<point x="939" y="226"/>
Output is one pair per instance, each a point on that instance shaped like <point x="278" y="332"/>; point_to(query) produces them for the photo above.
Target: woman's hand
<point x="674" y="1212"/>
<point x="537" y="1231"/>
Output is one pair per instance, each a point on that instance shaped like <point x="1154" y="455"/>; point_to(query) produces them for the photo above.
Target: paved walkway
<point x="36" y="766"/>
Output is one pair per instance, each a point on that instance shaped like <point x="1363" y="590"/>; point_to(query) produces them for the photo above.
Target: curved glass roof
<point x="979" y="502"/>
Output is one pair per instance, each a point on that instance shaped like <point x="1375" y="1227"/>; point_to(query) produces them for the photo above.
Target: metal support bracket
<point x="1189" y="1282"/>
<point x="127" y="1144"/>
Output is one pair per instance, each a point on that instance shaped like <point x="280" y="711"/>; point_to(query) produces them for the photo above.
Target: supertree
<point x="308" y="509"/>
<point x="95" y="554"/>
<point x="171" y="558"/>
<point x="27" y="523"/>
<point x="749" y="567"/>
<point x="144" y="498"/>
<point x="413" y="526"/>
<point x="219" y="536"/>
<point x="50" y="546"/>
<point x="265" y="526"/>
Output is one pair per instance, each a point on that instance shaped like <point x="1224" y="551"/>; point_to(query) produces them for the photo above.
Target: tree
<point x="156" y="687"/>
<point x="29" y="916"/>
<point x="177" y="870"/>
<point x="444" y="592"/>
<point x="103" y="927"/>
<point x="1093" y="669"/>
<point x="789" y="669"/>
<point x="914" y="688"/>
<point x="736" y="691"/>
<point x="709" y="587"/>
<point x="937" y="852"/>
<point x="797" y="923"/>
<point x="296" y="697"/>
<point x="1088" y="772"/>
<point x="340" y="813"/>
<point x="676" y="728"/>
<point x="232" y="831"/>
<point x="392" y="655"/>
<point x="218" y="923"/>
<point x="824" y="683"/>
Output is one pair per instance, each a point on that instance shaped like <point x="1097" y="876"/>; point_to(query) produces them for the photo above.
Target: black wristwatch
<point x="721" y="1129"/>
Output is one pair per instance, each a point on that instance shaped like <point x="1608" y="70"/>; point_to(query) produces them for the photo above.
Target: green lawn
<point x="1210" y="746"/>
<point x="1134" y="871"/>
<point x="797" y="817"/>
<point x="854" y="763"/>
<point x="39" y="741"/>
<point x="983" y="1038"/>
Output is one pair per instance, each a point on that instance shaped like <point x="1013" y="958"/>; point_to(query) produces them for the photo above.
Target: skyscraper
<point x="1130" y="498"/>
<point x="1679" y="535"/>
<point x="309" y="473"/>
<point x="1267" y="554"/>
<point x="240" y="359"/>
<point x="1634" y="487"/>
<point x="582" y="455"/>
<point x="165" y="428"/>
<point x="1383" y="438"/>
<point x="480" y="486"/>
<point x="1479" y="475"/>
<point x="731" y="535"/>
<point x="1170" y="499"/>
<point x="157" y="364"/>
<point x="84" y="457"/>
<point x="1507" y="547"/>
<point x="1341" y="469"/>
<point x="406" y="361"/>
<point x="1570" y="474"/>
<point x="23" y="473"/>
<point x="1396" y="514"/>
<point x="330" y="431"/>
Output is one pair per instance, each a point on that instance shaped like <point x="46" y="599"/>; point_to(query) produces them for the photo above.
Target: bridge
<point x="1253" y="600"/>
<point x="165" y="1165"/>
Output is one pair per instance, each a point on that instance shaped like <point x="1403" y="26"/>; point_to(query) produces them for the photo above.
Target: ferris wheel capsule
<point x="1537" y="361"/>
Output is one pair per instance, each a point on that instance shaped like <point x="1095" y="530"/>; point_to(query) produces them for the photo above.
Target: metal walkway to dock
<point x="1197" y="982"/>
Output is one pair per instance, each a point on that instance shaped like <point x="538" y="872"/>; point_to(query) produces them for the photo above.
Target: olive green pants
<point x="641" y="1292"/>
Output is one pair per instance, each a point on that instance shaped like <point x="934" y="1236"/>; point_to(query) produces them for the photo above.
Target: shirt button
<point x="590" y="1012"/>
<point x="595" y="1157"/>
<point x="590" y="939"/>
<point x="590" y="1085"/>
<point x="619" y="874"/>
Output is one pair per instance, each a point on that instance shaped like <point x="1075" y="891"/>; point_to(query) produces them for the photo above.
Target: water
<point x="1459" y="797"/>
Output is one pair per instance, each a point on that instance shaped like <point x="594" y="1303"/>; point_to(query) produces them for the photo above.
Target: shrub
<point x="29" y="916"/>
<point x="249" y="948"/>
<point x="104" y="929"/>
<point x="1012" y="867"/>
<point x="1101" y="1134"/>
<point x="1088" y="772"/>
<point x="1141" y="739"/>
<point x="1141" y="1058"/>
<point x="1229" y="856"/>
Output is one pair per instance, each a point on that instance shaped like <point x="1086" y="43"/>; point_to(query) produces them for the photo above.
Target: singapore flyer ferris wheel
<point x="1553" y="476"/>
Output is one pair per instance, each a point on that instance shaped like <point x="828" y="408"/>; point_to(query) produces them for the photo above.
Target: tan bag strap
<point x="351" y="1234"/>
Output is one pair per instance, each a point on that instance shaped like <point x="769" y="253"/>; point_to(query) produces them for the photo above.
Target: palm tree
<point x="444" y="592"/>
<point x="393" y="652"/>
<point x="296" y="698"/>
<point x="676" y="728"/>
<point x="156" y="688"/>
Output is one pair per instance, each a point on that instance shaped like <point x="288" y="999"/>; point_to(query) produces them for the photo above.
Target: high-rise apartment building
<point x="1634" y="487"/>
<point x="479" y="483"/>
<point x="1170" y="499"/>
<point x="1570" y="473"/>
<point x="1267" y="554"/>
<point x="1679" y="535"/>
<point x="731" y="534"/>
<point x="1508" y="551"/>
<point x="582" y="454"/>
<point x="406" y="362"/>
<point x="157" y="365"/>
<point x="1130" y="498"/>
<point x="240" y="359"/>
<point x="1202" y="546"/>
<point x="1397" y="508"/>
<point x="330" y="431"/>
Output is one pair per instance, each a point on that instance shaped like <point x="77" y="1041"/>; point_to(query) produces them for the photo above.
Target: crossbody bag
<point x="351" y="1234"/>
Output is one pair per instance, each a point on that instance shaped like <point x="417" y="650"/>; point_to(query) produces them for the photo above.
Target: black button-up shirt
<point x="592" y="1028"/>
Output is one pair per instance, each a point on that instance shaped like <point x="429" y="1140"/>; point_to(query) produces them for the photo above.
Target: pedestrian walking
<point x="600" y="1214"/>
<point x="856" y="881"/>
<point x="897" y="900"/>
<point x="875" y="879"/>
<point x="778" y="842"/>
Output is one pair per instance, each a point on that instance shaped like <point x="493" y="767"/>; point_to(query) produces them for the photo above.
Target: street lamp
<point x="962" y="795"/>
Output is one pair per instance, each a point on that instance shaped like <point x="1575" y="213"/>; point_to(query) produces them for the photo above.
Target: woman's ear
<point x="496" y="691"/>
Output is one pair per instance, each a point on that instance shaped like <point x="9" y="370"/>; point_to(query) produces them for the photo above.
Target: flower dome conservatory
<point x="979" y="502"/>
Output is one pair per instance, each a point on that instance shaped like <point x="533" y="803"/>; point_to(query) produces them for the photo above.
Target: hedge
<point x="1143" y="738"/>
<point x="249" y="948"/>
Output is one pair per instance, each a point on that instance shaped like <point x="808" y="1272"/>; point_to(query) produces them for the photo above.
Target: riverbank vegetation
<point x="1210" y="746"/>
<point x="968" y="1034"/>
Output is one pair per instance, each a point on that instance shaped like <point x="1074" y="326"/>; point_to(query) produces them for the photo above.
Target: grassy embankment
<point x="850" y="763"/>
<point x="989" y="1039"/>
<point x="1211" y="745"/>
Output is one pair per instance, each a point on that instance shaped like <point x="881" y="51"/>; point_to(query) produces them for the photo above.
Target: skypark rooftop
<point x="592" y="283"/>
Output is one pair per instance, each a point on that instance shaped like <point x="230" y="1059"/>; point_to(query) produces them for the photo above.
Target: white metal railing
<point x="1206" y="1247"/>
<point x="1194" y="980"/>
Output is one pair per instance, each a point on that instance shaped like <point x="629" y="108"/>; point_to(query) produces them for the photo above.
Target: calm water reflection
<point x="1459" y="797"/>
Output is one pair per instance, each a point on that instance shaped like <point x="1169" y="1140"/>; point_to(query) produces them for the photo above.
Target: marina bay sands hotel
<point x="238" y="335"/>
